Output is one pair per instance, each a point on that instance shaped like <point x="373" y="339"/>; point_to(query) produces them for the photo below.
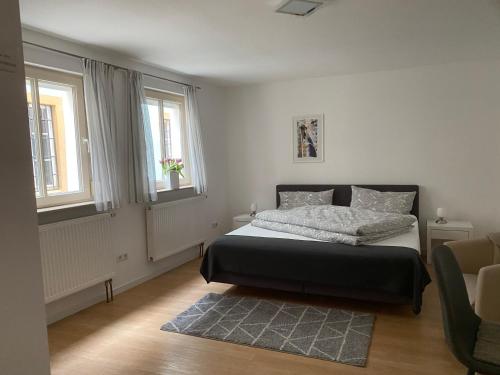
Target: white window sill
<point x="64" y="207"/>
<point x="180" y="188"/>
<point x="55" y="214"/>
<point x="172" y="195"/>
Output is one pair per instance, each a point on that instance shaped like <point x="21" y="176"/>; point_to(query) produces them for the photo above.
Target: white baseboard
<point x="96" y="295"/>
<point x="169" y="267"/>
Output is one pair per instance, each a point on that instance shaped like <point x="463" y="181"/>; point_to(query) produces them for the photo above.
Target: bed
<point x="389" y="271"/>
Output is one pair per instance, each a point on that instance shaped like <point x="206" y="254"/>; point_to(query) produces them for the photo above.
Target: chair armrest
<point x="472" y="255"/>
<point x="488" y="293"/>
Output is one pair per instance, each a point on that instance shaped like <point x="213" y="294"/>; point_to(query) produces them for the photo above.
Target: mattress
<point x="409" y="239"/>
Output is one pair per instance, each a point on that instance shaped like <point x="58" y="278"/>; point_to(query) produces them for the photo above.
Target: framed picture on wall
<point x="308" y="139"/>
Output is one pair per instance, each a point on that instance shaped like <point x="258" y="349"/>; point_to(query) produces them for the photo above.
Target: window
<point x="58" y="137"/>
<point x="167" y="117"/>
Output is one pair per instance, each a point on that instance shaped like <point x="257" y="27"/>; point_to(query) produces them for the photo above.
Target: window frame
<point x="36" y="74"/>
<point x="52" y="140"/>
<point x="161" y="96"/>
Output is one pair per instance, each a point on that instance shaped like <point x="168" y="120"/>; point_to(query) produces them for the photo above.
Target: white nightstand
<point x="451" y="231"/>
<point x="241" y="220"/>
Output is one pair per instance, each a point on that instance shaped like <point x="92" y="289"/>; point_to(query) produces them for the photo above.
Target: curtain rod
<point x="113" y="65"/>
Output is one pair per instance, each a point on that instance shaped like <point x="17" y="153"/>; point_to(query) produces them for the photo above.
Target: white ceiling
<point x="244" y="41"/>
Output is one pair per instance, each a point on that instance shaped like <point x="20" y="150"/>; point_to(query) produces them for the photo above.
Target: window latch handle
<point x="87" y="144"/>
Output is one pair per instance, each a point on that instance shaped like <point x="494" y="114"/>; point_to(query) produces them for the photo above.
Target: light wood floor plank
<point x="124" y="337"/>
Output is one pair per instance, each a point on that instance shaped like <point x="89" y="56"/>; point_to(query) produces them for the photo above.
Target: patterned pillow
<point x="292" y="199"/>
<point x="382" y="201"/>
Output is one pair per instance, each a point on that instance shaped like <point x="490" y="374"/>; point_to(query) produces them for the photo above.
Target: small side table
<point x="451" y="231"/>
<point x="241" y="220"/>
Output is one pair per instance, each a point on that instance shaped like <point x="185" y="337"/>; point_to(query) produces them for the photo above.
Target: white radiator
<point x="76" y="254"/>
<point x="174" y="226"/>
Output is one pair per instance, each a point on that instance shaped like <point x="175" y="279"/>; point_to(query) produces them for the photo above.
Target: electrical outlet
<point x="214" y="224"/>
<point x="122" y="257"/>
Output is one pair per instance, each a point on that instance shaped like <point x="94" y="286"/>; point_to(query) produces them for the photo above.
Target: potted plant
<point x="172" y="168"/>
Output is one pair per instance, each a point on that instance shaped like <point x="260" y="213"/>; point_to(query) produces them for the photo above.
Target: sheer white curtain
<point x="99" y="103"/>
<point x="195" y="142"/>
<point x="142" y="178"/>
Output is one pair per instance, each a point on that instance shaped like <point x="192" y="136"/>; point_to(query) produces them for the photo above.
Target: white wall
<point x="23" y="335"/>
<point x="129" y="229"/>
<point x="435" y="126"/>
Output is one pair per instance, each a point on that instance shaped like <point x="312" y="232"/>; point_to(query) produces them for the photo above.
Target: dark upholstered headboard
<point x="342" y="193"/>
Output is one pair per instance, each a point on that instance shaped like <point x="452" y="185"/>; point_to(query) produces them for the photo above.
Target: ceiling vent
<point x="299" y="7"/>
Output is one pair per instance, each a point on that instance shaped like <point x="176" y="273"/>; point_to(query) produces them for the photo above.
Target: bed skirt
<point x="375" y="273"/>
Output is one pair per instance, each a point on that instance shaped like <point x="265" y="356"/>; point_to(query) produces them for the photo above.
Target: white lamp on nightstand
<point x="441" y="214"/>
<point x="253" y="209"/>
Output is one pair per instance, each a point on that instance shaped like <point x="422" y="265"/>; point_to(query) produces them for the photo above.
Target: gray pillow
<point x="382" y="201"/>
<point x="292" y="199"/>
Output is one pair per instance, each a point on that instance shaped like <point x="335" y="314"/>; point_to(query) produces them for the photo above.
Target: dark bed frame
<point x="341" y="197"/>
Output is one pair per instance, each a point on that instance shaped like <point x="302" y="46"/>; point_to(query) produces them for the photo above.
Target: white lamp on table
<point x="441" y="214"/>
<point x="253" y="209"/>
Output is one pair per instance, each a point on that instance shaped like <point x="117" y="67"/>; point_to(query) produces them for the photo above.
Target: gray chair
<point x="474" y="342"/>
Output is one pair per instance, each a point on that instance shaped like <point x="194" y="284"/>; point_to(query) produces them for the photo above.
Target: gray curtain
<point x="195" y="141"/>
<point x="142" y="178"/>
<point x="99" y="102"/>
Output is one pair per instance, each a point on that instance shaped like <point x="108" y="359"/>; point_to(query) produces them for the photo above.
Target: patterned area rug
<point x="331" y="334"/>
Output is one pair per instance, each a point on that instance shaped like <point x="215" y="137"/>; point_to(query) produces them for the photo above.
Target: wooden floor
<point x="124" y="337"/>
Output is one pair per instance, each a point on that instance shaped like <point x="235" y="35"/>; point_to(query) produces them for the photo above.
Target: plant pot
<point x="173" y="179"/>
